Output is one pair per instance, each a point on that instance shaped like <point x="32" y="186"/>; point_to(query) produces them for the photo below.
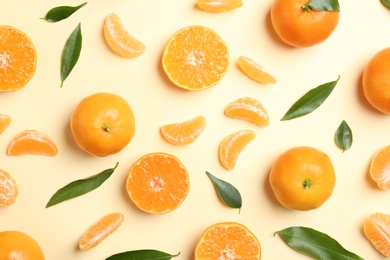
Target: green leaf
<point x="386" y="3"/>
<point x="343" y="136"/>
<point x="315" y="244"/>
<point x="310" y="101"/>
<point x="227" y="192"/>
<point x="71" y="53"/>
<point x="59" y="13"/>
<point x="80" y="187"/>
<point x="323" y="5"/>
<point x="144" y="254"/>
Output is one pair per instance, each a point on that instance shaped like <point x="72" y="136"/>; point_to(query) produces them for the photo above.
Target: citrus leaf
<point x="343" y="136"/>
<point x="316" y="244"/>
<point x="323" y="5"/>
<point x="59" y="13"/>
<point x="386" y="3"/>
<point x="229" y="195"/>
<point x="142" y="254"/>
<point x="71" y="53"/>
<point x="310" y="101"/>
<point x="80" y="187"/>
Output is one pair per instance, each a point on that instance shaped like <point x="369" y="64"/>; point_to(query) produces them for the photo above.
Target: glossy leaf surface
<point x="324" y="5"/>
<point x="59" y="13"/>
<point x="343" y="136"/>
<point x="229" y="195"/>
<point x="142" y="254"/>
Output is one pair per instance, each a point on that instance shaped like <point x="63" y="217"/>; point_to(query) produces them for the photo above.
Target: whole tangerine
<point x="299" y="25"/>
<point x="19" y="245"/>
<point x="376" y="81"/>
<point x="302" y="178"/>
<point x="103" y="124"/>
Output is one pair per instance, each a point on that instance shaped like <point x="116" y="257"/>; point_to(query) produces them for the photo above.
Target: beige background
<point x="362" y="31"/>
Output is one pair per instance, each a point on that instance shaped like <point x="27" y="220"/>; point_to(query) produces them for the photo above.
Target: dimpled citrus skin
<point x="16" y="245"/>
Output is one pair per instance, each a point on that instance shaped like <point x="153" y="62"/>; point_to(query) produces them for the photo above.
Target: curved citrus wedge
<point x="195" y="58"/>
<point x="377" y="231"/>
<point x="32" y="142"/>
<point x="255" y="71"/>
<point x="119" y="39"/>
<point x="183" y="132"/>
<point x="380" y="168"/>
<point x="96" y="233"/>
<point x="219" y="6"/>
<point x="232" y="145"/>
<point x="158" y="183"/>
<point x="18" y="59"/>
<point x="249" y="109"/>
<point x="5" y="120"/>
<point x="228" y="240"/>
<point x="8" y="189"/>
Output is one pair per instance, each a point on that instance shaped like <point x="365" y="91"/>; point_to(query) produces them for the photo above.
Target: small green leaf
<point x="227" y="192"/>
<point x="343" y="136"/>
<point x="315" y="244"/>
<point x="59" y="13"/>
<point x="80" y="187"/>
<point x="310" y="101"/>
<point x="322" y="5"/>
<point x="71" y="53"/>
<point x="386" y="3"/>
<point x="143" y="254"/>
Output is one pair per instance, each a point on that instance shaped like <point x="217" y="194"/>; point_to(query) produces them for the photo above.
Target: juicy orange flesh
<point x="228" y="241"/>
<point x="8" y="189"/>
<point x="32" y="142"/>
<point x="255" y="71"/>
<point x="217" y="6"/>
<point x="248" y="109"/>
<point x="96" y="233"/>
<point x="184" y="132"/>
<point x="232" y="146"/>
<point x="5" y="121"/>
<point x="380" y="168"/>
<point x="17" y="59"/>
<point x="158" y="183"/>
<point x="377" y="231"/>
<point x="196" y="58"/>
<point x="119" y="39"/>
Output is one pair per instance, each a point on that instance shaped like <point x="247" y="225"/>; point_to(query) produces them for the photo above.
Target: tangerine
<point x="19" y="245"/>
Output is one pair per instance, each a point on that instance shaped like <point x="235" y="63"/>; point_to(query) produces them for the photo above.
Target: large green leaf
<point x="143" y="254"/>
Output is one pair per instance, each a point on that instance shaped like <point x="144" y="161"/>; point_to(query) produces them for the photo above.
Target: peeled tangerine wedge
<point x="218" y="6"/>
<point x="8" y="189"/>
<point x="231" y="147"/>
<point x="119" y="39"/>
<point x="5" y="120"/>
<point x="32" y="142"/>
<point x="96" y="233"/>
<point x="249" y="109"/>
<point x="377" y="231"/>
<point x="184" y="132"/>
<point x="255" y="71"/>
<point x="380" y="168"/>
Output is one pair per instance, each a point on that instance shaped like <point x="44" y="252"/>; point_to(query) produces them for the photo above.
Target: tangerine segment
<point x="255" y="71"/>
<point x="380" y="168"/>
<point x="249" y="109"/>
<point x="158" y="183"/>
<point x="232" y="146"/>
<point x="8" y="189"/>
<point x="119" y="39"/>
<point x="32" y="142"/>
<point x="228" y="240"/>
<point x="96" y="233"/>
<point x="18" y="59"/>
<point x="377" y="231"/>
<point x="195" y="58"/>
<point x="184" y="132"/>
<point x="5" y="120"/>
<point x="219" y="6"/>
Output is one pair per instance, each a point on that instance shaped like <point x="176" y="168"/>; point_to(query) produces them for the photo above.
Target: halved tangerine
<point x="158" y="183"/>
<point x="249" y="109"/>
<point x="184" y="132"/>
<point x="255" y="71"/>
<point x="232" y="145"/>
<point x="195" y="58"/>
<point x="32" y="142"/>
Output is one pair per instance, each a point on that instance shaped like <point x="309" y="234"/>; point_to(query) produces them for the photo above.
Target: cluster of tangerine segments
<point x="8" y="189"/>
<point x="377" y="231"/>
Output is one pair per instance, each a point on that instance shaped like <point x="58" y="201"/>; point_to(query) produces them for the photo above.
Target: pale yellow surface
<point x="362" y="31"/>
